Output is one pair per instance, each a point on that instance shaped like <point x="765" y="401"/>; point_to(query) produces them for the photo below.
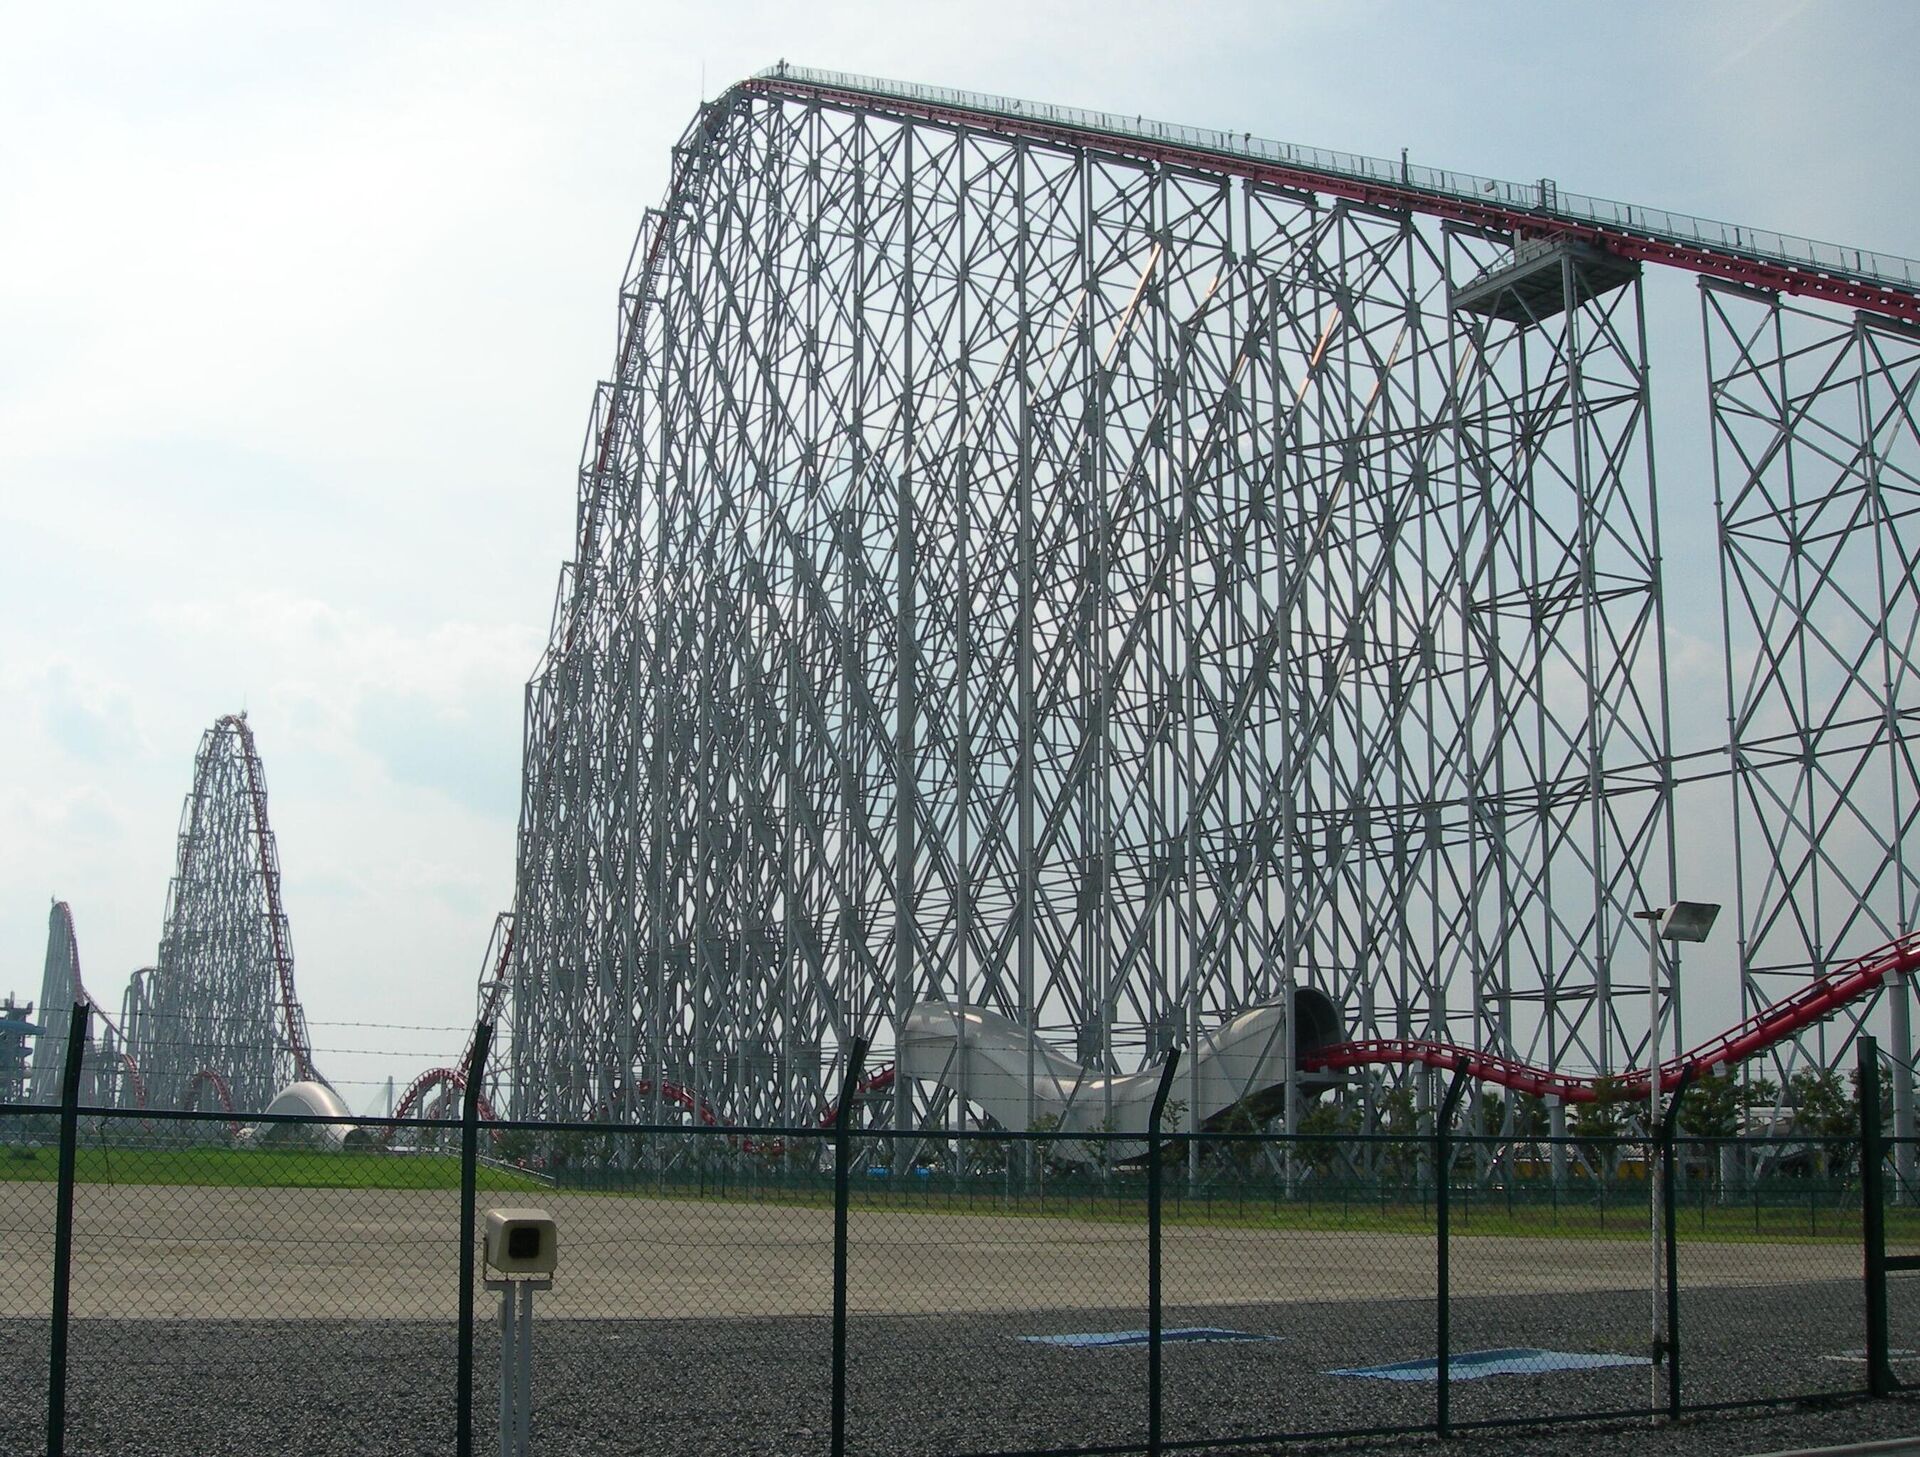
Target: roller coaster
<point x="1109" y="575"/>
<point x="1091" y="579"/>
<point x="217" y="1016"/>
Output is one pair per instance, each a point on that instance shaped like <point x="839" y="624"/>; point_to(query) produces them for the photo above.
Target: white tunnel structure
<point x="1023" y="1082"/>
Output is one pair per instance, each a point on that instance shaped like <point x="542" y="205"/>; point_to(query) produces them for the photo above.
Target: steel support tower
<point x="1108" y="572"/>
<point x="218" y="1016"/>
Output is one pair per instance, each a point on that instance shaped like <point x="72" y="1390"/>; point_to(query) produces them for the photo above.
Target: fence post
<point x="469" y="1171"/>
<point x="1670" y="1235"/>
<point x="842" y="1116"/>
<point x="70" y="1071"/>
<point x="1443" y="1175"/>
<point x="1153" y="1250"/>
<point x="1873" y="1222"/>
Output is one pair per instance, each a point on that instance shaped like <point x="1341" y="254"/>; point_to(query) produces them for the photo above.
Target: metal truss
<point x="108" y="1074"/>
<point x="219" y="1014"/>
<point x="1110" y="577"/>
<point x="1816" y="434"/>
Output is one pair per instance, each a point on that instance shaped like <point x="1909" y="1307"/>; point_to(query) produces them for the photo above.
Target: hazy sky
<point x="302" y="308"/>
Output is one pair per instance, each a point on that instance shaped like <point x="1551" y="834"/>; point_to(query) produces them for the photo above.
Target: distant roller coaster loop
<point x="451" y="1079"/>
<point x="207" y="1078"/>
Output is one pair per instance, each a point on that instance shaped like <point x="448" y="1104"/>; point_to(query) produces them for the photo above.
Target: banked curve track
<point x="1812" y="1002"/>
<point x="1809" y="1004"/>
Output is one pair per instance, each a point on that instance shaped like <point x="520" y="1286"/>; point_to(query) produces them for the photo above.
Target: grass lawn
<point x="259" y="1168"/>
<point x="1777" y="1217"/>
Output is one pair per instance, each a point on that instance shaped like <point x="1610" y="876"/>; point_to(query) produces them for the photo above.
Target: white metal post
<point x="509" y="1396"/>
<point x="523" y="1396"/>
<point x="516" y="1363"/>
<point x="1653" y="1181"/>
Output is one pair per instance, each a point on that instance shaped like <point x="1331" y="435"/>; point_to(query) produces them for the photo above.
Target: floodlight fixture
<point x="1688" y="920"/>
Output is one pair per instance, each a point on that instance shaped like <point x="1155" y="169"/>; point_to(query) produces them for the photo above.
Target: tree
<point x="1237" y="1147"/>
<point x="1397" y="1116"/>
<point x="1530" y="1118"/>
<point x="1492" y="1113"/>
<point x="1823" y="1113"/>
<point x="1099" y="1145"/>
<point x="1040" y="1150"/>
<point x="1711" y="1106"/>
<point x="1600" y="1125"/>
<point x="1321" y="1128"/>
<point x="1715" y="1106"/>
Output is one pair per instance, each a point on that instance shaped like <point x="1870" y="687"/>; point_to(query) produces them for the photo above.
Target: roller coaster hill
<point x="1052" y="587"/>
<point x="216" y="1022"/>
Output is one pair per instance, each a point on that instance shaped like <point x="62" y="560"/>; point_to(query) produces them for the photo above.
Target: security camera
<point x="521" y="1242"/>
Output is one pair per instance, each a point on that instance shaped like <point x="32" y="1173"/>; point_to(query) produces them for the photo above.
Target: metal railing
<point x="1543" y="197"/>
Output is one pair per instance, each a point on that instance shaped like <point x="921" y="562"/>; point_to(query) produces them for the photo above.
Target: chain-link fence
<point x="197" y="1283"/>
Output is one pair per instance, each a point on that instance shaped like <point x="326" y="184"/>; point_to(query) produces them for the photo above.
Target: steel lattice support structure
<point x="219" y="1013"/>
<point x="1108" y="574"/>
<point x="1816" y="432"/>
<point x="109" y="1074"/>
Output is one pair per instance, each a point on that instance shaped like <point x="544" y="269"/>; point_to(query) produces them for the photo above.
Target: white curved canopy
<point x="311" y="1100"/>
<point x="988" y="1059"/>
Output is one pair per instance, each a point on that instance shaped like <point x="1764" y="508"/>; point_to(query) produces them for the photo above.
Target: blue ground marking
<point x="1088" y="1340"/>
<point x="1507" y="1361"/>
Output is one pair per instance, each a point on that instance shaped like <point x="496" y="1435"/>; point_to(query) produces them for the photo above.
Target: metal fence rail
<point x="180" y="1283"/>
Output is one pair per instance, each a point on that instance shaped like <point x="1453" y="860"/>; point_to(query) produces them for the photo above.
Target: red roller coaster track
<point x="1800" y="1009"/>
<point x="454" y="1077"/>
<point x="451" y="1078"/>
<point x="1813" y="1002"/>
<point x="1753" y="268"/>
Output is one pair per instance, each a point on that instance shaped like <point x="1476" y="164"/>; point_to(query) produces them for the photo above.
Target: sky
<point x="302" y="309"/>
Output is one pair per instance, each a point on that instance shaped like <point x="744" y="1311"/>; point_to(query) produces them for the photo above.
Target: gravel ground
<point x="953" y="1383"/>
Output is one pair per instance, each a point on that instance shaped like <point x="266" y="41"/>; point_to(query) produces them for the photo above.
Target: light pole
<point x="1681" y="921"/>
